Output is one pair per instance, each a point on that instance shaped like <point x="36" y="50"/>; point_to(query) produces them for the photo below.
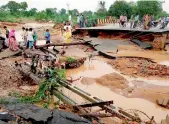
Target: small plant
<point x="71" y="60"/>
<point x="46" y="88"/>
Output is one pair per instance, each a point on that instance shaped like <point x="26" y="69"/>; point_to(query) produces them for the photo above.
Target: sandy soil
<point x="140" y="68"/>
<point x="112" y="80"/>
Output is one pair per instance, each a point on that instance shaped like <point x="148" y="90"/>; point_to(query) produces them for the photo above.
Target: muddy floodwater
<point x="98" y="68"/>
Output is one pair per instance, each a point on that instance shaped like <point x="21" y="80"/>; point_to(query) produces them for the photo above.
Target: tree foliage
<point x="149" y="7"/>
<point x="101" y="8"/>
<point x="63" y="11"/>
<point x="119" y="8"/>
<point x="14" y="11"/>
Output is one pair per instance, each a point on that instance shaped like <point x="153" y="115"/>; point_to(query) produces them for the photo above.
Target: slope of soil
<point x="10" y="78"/>
<point x="140" y="67"/>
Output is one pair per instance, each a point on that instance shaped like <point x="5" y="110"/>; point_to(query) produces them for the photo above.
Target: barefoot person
<point x="12" y="43"/>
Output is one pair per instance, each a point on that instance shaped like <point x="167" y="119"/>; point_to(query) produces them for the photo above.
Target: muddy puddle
<point x="91" y="69"/>
<point x="98" y="68"/>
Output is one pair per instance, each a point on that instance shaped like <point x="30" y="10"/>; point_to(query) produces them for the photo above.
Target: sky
<point x="81" y="5"/>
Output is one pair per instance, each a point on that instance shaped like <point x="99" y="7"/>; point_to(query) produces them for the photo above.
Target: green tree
<point x="75" y="12"/>
<point x="101" y="8"/>
<point x="149" y="7"/>
<point x="63" y="11"/>
<point x="13" y="6"/>
<point x="50" y="12"/>
<point x="32" y="12"/>
<point x="119" y="8"/>
<point x="23" y="5"/>
<point x="88" y="13"/>
<point x="162" y="14"/>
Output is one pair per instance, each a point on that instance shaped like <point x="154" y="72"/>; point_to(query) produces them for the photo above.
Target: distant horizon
<point x="81" y="5"/>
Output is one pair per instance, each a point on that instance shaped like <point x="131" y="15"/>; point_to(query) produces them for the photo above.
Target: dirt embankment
<point x="113" y="81"/>
<point x="140" y="67"/>
<point x="11" y="78"/>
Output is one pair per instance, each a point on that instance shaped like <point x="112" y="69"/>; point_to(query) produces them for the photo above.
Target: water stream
<point x="95" y="69"/>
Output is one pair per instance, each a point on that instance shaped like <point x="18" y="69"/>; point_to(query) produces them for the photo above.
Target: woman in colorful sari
<point x="12" y="43"/>
<point x="146" y="20"/>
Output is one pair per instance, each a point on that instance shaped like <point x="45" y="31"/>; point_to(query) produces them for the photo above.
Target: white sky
<point x="81" y="5"/>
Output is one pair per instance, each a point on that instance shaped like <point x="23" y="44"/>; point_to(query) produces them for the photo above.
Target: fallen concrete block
<point x="30" y="112"/>
<point x="159" y="101"/>
<point x="165" y="102"/>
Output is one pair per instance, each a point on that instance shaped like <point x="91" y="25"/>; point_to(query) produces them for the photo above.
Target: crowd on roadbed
<point x="30" y="37"/>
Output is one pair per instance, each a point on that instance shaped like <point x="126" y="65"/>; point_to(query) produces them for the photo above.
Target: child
<point x="26" y="38"/>
<point x="68" y="35"/>
<point x="30" y="38"/>
<point x="47" y="36"/>
<point x="35" y="37"/>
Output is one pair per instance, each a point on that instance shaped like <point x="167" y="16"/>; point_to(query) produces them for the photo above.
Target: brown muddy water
<point x="95" y="69"/>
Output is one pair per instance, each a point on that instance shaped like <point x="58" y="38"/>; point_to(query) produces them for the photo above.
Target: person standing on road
<point x="12" y="43"/>
<point x="81" y="21"/>
<point x="30" y="38"/>
<point x="47" y="36"/>
<point x="136" y="20"/>
<point x="35" y="37"/>
<point x="26" y="38"/>
<point x="78" y="20"/>
<point x="7" y="32"/>
<point x="131" y="21"/>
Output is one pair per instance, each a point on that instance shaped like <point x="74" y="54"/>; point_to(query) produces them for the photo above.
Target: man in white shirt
<point x="30" y="38"/>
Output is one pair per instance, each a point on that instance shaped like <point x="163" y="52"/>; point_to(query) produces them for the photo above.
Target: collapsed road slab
<point x="38" y="115"/>
<point x="60" y="117"/>
<point x="30" y="112"/>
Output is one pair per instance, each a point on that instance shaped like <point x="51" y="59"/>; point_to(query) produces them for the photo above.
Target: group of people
<point x="146" y="22"/>
<point x="29" y="37"/>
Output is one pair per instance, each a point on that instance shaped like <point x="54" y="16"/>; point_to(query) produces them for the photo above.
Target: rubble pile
<point x="140" y="67"/>
<point x="9" y="75"/>
<point x="31" y="114"/>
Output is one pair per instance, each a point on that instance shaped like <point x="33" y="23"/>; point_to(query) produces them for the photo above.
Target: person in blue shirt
<point x="47" y="36"/>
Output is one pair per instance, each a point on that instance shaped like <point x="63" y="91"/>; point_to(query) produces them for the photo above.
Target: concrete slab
<point x="107" y="47"/>
<point x="142" y="45"/>
<point x="28" y="111"/>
